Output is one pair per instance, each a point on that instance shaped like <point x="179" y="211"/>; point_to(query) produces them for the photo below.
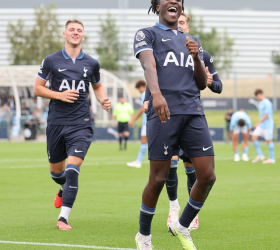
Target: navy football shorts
<point x="184" y="157"/>
<point x="188" y="132"/>
<point x="63" y="141"/>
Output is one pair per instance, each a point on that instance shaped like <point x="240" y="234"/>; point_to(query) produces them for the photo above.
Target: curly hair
<point x="154" y="4"/>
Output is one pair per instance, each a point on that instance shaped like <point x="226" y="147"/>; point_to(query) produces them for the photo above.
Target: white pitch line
<point x="62" y="245"/>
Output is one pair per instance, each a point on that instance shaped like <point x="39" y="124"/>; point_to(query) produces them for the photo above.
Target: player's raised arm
<point x="100" y="95"/>
<point x="199" y="69"/>
<point x="148" y="63"/>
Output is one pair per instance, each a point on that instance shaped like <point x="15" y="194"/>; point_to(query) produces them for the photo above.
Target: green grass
<point x="242" y="211"/>
<point x="216" y="118"/>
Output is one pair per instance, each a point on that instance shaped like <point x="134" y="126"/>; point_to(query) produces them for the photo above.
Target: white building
<point x="256" y="33"/>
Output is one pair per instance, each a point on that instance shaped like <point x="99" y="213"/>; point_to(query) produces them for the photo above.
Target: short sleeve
<point x="45" y="70"/>
<point x="249" y="123"/>
<point x="143" y="97"/>
<point x="96" y="74"/>
<point x="266" y="108"/>
<point x="209" y="62"/>
<point x="147" y="94"/>
<point x="232" y="122"/>
<point x="143" y="40"/>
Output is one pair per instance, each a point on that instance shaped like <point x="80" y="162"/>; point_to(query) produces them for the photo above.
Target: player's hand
<point x="209" y="77"/>
<point x="257" y="124"/>
<point x="193" y="48"/>
<point x="161" y="107"/>
<point x="106" y="104"/>
<point x="145" y="106"/>
<point x="69" y="96"/>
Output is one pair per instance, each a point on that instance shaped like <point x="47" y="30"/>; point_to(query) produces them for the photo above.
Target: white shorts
<point x="237" y="130"/>
<point x="267" y="134"/>
<point x="144" y="130"/>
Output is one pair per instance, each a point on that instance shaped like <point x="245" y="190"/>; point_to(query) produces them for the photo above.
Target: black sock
<point x="71" y="186"/>
<point x="145" y="220"/>
<point x="172" y="181"/>
<point x="125" y="138"/>
<point x="59" y="178"/>
<point x="190" y="171"/>
<point x="189" y="213"/>
<point x="120" y="141"/>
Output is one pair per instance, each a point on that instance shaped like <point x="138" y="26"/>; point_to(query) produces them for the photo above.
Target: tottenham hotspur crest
<point x="165" y="148"/>
<point x="85" y="70"/>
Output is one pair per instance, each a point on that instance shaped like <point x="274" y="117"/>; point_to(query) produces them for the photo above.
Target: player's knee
<point x="209" y="179"/>
<point x="158" y="183"/>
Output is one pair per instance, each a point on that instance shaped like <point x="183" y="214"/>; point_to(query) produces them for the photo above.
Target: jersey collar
<point x="163" y="27"/>
<point x="81" y="55"/>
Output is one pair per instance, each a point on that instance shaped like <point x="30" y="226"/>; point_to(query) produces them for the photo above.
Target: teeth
<point x="173" y="8"/>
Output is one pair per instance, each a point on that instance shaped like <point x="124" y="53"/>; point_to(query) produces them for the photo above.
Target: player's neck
<point x="71" y="51"/>
<point x="173" y="26"/>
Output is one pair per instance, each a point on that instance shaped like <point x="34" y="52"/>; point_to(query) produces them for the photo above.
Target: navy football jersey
<point x="175" y="68"/>
<point x="216" y="85"/>
<point x="64" y="73"/>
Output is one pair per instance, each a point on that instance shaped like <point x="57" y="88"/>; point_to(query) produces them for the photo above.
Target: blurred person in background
<point x="5" y="113"/>
<point x="264" y="128"/>
<point x="123" y="114"/>
<point x="228" y="119"/>
<point x="240" y="123"/>
<point x="25" y="110"/>
<point x="141" y="86"/>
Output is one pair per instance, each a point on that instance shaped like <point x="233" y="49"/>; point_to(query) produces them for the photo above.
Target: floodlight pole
<point x="123" y="6"/>
<point x="234" y="102"/>
<point x="275" y="91"/>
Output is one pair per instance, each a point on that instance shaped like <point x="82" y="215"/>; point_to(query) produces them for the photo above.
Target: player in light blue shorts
<point x="141" y="86"/>
<point x="264" y="128"/>
<point x="240" y="123"/>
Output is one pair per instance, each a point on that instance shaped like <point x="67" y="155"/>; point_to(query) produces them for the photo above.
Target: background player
<point x="141" y="86"/>
<point x="215" y="84"/>
<point x="240" y="123"/>
<point x="164" y="57"/>
<point x="69" y="132"/>
<point x="264" y="127"/>
<point x="123" y="113"/>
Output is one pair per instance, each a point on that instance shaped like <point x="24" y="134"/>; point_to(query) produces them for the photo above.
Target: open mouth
<point x="172" y="9"/>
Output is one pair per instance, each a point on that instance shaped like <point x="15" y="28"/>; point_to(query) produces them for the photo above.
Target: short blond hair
<point x="73" y="21"/>
<point x="188" y="18"/>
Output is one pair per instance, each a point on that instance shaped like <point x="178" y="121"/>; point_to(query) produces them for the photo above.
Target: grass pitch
<point x="242" y="211"/>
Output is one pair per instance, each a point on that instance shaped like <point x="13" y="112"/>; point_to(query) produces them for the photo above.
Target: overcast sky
<point x="273" y="5"/>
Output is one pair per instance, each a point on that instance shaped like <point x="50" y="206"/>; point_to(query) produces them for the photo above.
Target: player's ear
<point x="64" y="34"/>
<point x="158" y="8"/>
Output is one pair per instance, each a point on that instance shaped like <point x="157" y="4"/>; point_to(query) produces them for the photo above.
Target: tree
<point x="113" y="54"/>
<point x="31" y="45"/>
<point x="218" y="45"/>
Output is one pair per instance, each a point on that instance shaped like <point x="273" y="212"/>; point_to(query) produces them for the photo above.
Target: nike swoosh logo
<point x="72" y="187"/>
<point x="164" y="40"/>
<point x="205" y="149"/>
<point x="76" y="151"/>
<point x="61" y="70"/>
